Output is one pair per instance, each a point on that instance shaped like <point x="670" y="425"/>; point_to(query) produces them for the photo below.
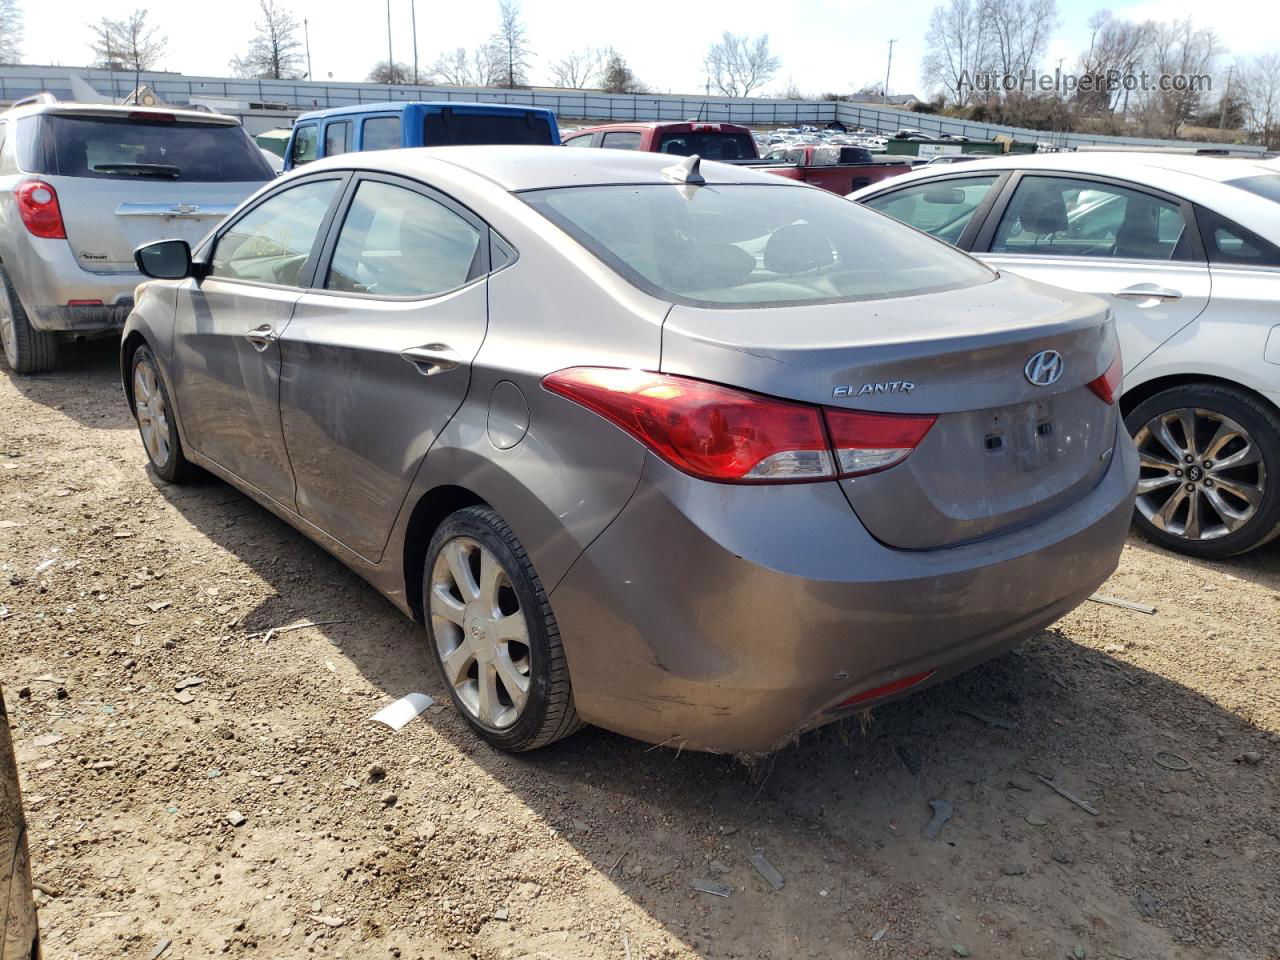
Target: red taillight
<point x="709" y="431"/>
<point x="1107" y="386"/>
<point x="897" y="686"/>
<point x="39" y="210"/>
<point x="867" y="442"/>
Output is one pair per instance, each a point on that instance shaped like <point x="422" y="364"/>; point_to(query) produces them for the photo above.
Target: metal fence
<point x="887" y="120"/>
<point x="291" y="95"/>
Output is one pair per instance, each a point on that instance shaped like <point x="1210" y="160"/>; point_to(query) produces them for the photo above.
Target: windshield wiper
<point x="139" y="169"/>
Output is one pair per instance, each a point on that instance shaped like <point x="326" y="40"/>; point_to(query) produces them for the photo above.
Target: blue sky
<point x="824" y="44"/>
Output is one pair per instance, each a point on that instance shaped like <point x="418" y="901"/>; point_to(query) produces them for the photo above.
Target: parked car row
<point x="542" y="399"/>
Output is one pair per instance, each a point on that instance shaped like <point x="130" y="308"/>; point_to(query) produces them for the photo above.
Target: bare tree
<point x="739" y="64"/>
<point x="276" y="53"/>
<point x="1259" y="87"/>
<point x="477" y="68"/>
<point x="1181" y="51"/>
<point x="513" y="44"/>
<point x="385" y="71"/>
<point x="1116" y="47"/>
<point x="128" y="44"/>
<point x="578" y="70"/>
<point x="10" y="32"/>
<point x="618" y="77"/>
<point x="1018" y="33"/>
<point x="957" y="47"/>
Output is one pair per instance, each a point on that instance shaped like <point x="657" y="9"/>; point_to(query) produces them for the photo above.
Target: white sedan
<point x="1186" y="250"/>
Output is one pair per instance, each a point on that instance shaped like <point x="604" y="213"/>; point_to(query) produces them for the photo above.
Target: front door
<point x="377" y="357"/>
<point x="226" y="337"/>
<point x="1137" y="250"/>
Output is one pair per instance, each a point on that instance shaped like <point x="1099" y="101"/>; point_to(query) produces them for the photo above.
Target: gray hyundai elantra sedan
<point x="697" y="454"/>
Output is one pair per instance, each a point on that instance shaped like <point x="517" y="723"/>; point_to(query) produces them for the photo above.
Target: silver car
<point x="695" y="453"/>
<point x="81" y="186"/>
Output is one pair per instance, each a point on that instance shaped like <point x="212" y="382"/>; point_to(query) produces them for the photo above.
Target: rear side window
<point x="443" y="129"/>
<point x="337" y="138"/>
<point x="305" y="142"/>
<point x="621" y="140"/>
<point x="271" y="242"/>
<point x="709" y="146"/>
<point x="398" y="243"/>
<point x="752" y="244"/>
<point x="1067" y="217"/>
<point x="942" y="209"/>
<point x="125" y="148"/>
<point x="1225" y="241"/>
<point x="381" y="133"/>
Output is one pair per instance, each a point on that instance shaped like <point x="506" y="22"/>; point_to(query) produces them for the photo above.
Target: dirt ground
<point x="359" y="842"/>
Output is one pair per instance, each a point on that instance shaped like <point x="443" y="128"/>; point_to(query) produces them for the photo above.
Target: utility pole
<point x="1222" y="117"/>
<point x="306" y="34"/>
<point x="887" y="68"/>
<point x="413" y="19"/>
<point x="391" y="64"/>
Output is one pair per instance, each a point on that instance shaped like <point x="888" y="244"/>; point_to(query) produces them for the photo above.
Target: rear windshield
<point x="120" y="148"/>
<point x="1265" y="185"/>
<point x="485" y="128"/>
<point x="753" y="244"/>
<point x="709" y="146"/>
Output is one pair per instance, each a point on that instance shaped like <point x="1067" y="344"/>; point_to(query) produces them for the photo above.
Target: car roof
<point x="518" y="167"/>
<point x="399" y="106"/>
<point x="65" y="108"/>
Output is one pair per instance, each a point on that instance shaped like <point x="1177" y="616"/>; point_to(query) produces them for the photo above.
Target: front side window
<point x="305" y="143"/>
<point x="621" y="140"/>
<point x="942" y="209"/>
<point x="1065" y="217"/>
<point x="272" y="241"/>
<point x="381" y="133"/>
<point x="752" y="244"/>
<point x="398" y="243"/>
<point x="337" y="138"/>
<point x="582" y="141"/>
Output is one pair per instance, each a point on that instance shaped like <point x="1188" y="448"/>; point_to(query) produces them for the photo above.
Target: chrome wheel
<point x="481" y="633"/>
<point x="7" y="334"/>
<point x="153" y="420"/>
<point x="1202" y="475"/>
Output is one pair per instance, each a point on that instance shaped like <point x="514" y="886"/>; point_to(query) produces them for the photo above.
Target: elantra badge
<point x="1044" y="368"/>
<point x="867" y="389"/>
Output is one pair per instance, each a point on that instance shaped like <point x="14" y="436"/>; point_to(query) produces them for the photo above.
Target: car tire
<point x="153" y="412"/>
<point x="1236" y="495"/>
<point x="26" y="349"/>
<point x="493" y="635"/>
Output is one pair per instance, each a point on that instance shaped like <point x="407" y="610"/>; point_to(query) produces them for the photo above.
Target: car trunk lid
<point x="1003" y="450"/>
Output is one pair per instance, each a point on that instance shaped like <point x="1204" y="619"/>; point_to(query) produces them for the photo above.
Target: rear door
<point x="227" y="326"/>
<point x="377" y="357"/>
<point x="1135" y="247"/>
<point x="125" y="179"/>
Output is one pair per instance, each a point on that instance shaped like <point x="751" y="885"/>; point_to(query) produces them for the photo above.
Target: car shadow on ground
<point x="94" y="360"/>
<point x="841" y="813"/>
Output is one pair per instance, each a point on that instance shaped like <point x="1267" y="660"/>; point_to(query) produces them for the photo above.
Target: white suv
<point x="81" y="187"/>
<point x="1186" y="250"/>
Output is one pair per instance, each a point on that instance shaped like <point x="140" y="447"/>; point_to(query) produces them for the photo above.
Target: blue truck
<point x="389" y="126"/>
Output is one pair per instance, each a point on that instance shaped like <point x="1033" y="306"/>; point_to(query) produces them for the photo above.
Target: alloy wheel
<point x="7" y="333"/>
<point x="153" y="420"/>
<point x="1202" y="476"/>
<point x="481" y="633"/>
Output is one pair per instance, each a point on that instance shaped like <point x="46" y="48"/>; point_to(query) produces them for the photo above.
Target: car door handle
<point x="431" y="358"/>
<point x="261" y="337"/>
<point x="1148" y="291"/>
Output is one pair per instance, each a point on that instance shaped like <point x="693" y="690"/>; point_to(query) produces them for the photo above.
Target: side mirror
<point x="164" y="259"/>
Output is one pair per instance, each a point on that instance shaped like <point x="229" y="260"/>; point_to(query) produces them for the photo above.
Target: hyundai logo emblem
<point x="1044" y="368"/>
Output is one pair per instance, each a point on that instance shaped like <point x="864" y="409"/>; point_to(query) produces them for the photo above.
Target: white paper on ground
<point x="396" y="715"/>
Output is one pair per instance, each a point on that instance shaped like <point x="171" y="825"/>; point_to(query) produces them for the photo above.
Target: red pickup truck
<point x="823" y="166"/>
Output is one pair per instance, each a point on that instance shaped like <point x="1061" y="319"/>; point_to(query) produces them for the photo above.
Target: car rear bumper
<point x="61" y="296"/>
<point x="730" y="618"/>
